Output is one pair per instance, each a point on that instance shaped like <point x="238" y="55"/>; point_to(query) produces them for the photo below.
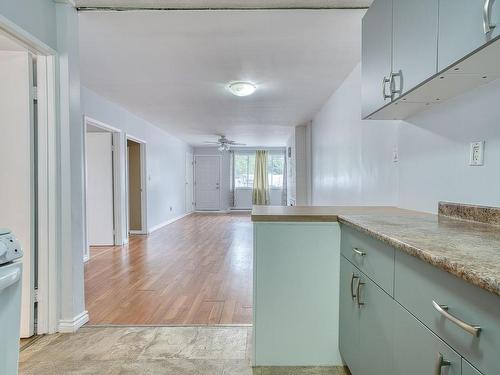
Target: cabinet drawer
<point x="417" y="351"/>
<point x="373" y="257"/>
<point x="418" y="284"/>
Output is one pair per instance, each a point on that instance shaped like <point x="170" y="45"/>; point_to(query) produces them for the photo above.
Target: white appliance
<point x="10" y="301"/>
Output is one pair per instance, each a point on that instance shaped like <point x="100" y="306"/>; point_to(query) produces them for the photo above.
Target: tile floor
<point x="151" y="350"/>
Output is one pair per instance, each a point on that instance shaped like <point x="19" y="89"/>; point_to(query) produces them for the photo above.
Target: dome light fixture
<point x="241" y="88"/>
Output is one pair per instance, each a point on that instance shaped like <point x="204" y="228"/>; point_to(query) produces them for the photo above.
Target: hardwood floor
<point x="197" y="270"/>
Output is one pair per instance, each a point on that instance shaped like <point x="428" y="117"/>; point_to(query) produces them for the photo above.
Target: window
<point x="275" y="170"/>
<point x="244" y="165"/>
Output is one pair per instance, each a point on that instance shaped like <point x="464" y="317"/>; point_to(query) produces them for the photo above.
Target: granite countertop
<point x="467" y="249"/>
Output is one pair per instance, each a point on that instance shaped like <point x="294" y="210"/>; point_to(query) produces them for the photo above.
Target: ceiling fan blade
<point x="212" y="143"/>
<point x="237" y="144"/>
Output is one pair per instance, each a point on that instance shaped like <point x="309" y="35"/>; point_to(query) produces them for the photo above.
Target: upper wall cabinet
<point x="438" y="49"/>
<point x="464" y="26"/>
<point x="415" y="36"/>
<point x="376" y="56"/>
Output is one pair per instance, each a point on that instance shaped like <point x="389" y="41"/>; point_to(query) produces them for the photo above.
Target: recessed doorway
<point x="136" y="186"/>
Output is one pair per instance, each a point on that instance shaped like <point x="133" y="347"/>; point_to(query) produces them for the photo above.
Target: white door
<point x="17" y="198"/>
<point x="207" y="182"/>
<point x="100" y="223"/>
<point x="189" y="182"/>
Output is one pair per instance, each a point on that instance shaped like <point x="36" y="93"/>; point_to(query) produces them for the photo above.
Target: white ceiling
<point x="223" y="4"/>
<point x="171" y="67"/>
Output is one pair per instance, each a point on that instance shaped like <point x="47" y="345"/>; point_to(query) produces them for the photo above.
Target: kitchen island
<point x="302" y="306"/>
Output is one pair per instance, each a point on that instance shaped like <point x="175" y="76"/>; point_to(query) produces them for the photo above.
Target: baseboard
<point x="71" y="326"/>
<point x="136" y="231"/>
<point x="161" y="225"/>
<point x="86" y="258"/>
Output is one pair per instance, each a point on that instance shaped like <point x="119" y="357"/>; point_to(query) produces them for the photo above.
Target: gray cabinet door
<point x="349" y="316"/>
<point x="417" y="349"/>
<point x="376" y="56"/>
<point x="461" y="29"/>
<point x="376" y="329"/>
<point x="467" y="369"/>
<point x="415" y="36"/>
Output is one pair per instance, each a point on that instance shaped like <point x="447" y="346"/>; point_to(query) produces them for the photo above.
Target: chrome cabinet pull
<point x="443" y="310"/>
<point x="399" y="90"/>
<point x="487" y="25"/>
<point x="358" y="295"/>
<point x="440" y="363"/>
<point x="385" y="81"/>
<point x="358" y="252"/>
<point x="353" y="277"/>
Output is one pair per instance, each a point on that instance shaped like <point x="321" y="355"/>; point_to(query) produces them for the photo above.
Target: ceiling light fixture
<point x="240" y="88"/>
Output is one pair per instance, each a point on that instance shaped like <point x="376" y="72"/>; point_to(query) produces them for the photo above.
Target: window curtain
<point x="260" y="192"/>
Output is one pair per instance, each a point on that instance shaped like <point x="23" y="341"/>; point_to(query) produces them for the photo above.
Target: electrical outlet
<point x="476" y="153"/>
<point x="395" y="155"/>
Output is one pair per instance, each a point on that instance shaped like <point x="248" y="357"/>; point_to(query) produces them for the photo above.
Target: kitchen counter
<point x="467" y="249"/>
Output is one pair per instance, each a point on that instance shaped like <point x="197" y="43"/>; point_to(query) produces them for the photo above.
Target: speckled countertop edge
<point x="460" y="270"/>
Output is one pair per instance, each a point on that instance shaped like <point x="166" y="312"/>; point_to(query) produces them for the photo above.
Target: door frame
<point x="144" y="186"/>
<point x="118" y="213"/>
<point x="45" y="164"/>
<point x="191" y="207"/>
<point x="220" y="182"/>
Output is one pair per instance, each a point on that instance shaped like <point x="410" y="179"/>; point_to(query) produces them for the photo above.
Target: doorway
<point x="27" y="172"/>
<point x="207" y="182"/>
<point x="136" y="187"/>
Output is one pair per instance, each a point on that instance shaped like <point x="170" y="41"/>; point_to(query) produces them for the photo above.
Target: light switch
<point x="476" y="153"/>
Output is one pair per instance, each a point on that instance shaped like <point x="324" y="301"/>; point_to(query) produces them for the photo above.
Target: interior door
<point x="17" y="171"/>
<point x="100" y="213"/>
<point x="207" y="182"/>
<point x="189" y="182"/>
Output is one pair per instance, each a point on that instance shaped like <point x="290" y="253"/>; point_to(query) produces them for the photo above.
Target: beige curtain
<point x="260" y="193"/>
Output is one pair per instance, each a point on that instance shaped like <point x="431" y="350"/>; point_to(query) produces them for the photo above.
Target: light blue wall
<point x="71" y="165"/>
<point x="37" y="17"/>
<point x="166" y="166"/>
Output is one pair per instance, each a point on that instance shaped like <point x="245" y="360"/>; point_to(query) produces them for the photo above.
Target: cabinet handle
<point x="440" y="363"/>
<point x="358" y="252"/>
<point x="385" y="81"/>
<point x="353" y="277"/>
<point x="443" y="310"/>
<point x="487" y="25"/>
<point x="393" y="83"/>
<point x="358" y="295"/>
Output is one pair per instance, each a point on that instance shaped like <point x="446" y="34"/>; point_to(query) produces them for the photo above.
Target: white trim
<point x="24" y="38"/>
<point x="133" y="231"/>
<point x="220" y="182"/>
<point x="165" y="223"/>
<point x="71" y="326"/>
<point x="120" y="234"/>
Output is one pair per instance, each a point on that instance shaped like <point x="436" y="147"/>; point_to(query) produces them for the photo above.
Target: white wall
<point x="37" y="18"/>
<point x="352" y="159"/>
<point x="165" y="157"/>
<point x="434" y="152"/>
<point x="298" y="166"/>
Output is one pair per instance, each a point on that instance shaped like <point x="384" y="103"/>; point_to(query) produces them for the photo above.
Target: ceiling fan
<point x="224" y="143"/>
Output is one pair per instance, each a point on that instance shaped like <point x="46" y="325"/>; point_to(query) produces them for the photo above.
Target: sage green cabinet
<point x="467" y="369"/>
<point x="376" y="54"/>
<point x="376" y="328"/>
<point x="349" y="316"/>
<point x="461" y="28"/>
<point x="365" y="323"/>
<point x="418" y="351"/>
<point x="415" y="37"/>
